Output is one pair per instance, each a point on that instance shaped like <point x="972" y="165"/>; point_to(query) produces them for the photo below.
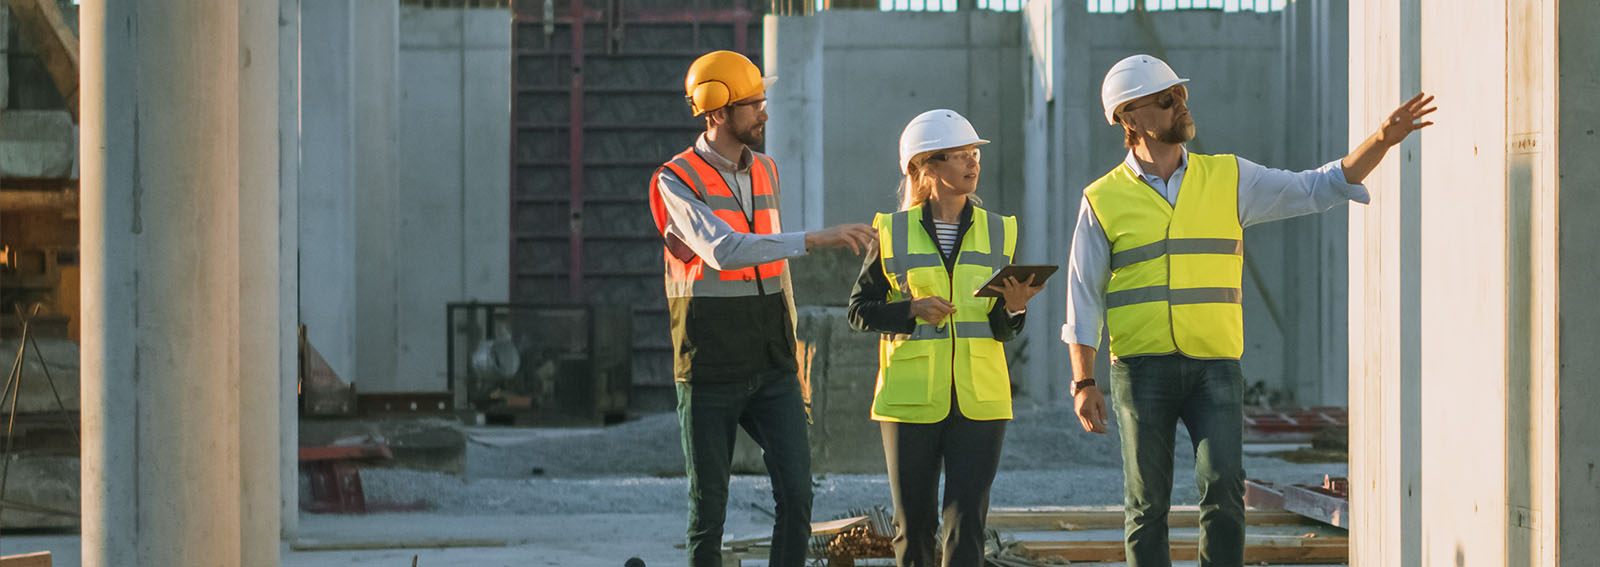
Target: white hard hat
<point x="1133" y="77"/>
<point x="937" y="129"/>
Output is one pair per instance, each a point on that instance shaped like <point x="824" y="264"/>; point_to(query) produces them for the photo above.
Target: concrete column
<point x="327" y="195"/>
<point x="288" y="263"/>
<point x="180" y="351"/>
<point x="1385" y="393"/>
<point x="1315" y="66"/>
<point x="375" y="86"/>
<point x="1471" y="448"/>
<point x="1033" y="214"/>
<point x="792" y="50"/>
<point x="1078" y="117"/>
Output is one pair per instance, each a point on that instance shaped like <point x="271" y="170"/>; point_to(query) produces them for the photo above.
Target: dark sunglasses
<point x="1165" y="99"/>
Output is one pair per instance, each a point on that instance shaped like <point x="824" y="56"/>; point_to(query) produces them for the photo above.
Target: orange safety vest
<point x="727" y="325"/>
<point x="686" y="273"/>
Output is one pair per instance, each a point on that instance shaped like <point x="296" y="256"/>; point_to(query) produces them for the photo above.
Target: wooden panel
<point x="39" y="559"/>
<point x="1109" y="518"/>
<point x="1277" y="551"/>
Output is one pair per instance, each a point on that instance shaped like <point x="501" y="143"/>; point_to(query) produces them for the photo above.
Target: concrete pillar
<point x="792" y="50"/>
<point x="1315" y="68"/>
<point x="179" y="242"/>
<point x="1033" y="214"/>
<point x="1469" y="446"/>
<point x="374" y="82"/>
<point x="1385" y="394"/>
<point x="288" y="253"/>
<point x="327" y="195"/>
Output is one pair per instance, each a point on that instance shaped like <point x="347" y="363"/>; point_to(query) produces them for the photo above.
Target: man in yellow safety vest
<point x="1157" y="256"/>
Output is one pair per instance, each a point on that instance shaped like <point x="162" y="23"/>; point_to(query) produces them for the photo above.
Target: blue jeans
<point x="769" y="407"/>
<point x="1152" y="393"/>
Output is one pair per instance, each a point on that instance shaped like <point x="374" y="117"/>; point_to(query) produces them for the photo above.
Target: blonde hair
<point x="917" y="186"/>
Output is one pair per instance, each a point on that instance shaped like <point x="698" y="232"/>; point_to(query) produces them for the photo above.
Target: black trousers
<point x="969" y="453"/>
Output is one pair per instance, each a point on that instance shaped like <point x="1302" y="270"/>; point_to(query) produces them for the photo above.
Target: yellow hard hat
<point x="721" y="77"/>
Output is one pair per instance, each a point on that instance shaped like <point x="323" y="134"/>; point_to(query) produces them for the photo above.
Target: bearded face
<point x="1181" y="130"/>
<point x="748" y="125"/>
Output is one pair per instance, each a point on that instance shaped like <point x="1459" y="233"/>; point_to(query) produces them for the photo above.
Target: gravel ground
<point x="636" y="467"/>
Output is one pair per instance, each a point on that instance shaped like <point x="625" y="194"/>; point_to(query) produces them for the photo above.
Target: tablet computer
<point x="1040" y="273"/>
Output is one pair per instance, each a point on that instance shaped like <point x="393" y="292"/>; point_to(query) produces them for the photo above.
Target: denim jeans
<point x="768" y="406"/>
<point x="1151" y="394"/>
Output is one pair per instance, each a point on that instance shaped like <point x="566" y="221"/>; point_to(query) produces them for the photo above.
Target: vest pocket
<point x="908" y="377"/>
<point x="991" y="382"/>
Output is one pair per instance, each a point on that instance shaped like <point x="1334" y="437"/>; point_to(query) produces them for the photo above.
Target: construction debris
<point x="1328" y="503"/>
<point x="1297" y="426"/>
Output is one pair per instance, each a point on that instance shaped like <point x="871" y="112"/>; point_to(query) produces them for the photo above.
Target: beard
<point x="1181" y="131"/>
<point x="754" y="135"/>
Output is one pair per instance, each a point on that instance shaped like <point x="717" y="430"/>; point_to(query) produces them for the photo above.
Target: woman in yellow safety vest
<point x="944" y="394"/>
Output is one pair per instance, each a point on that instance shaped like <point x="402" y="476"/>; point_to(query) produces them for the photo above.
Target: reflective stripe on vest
<point x="918" y="371"/>
<point x="1175" y="271"/>
<point x="691" y="277"/>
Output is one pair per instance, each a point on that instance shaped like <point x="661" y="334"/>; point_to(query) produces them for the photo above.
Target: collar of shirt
<point x="1162" y="185"/>
<point x="702" y="147"/>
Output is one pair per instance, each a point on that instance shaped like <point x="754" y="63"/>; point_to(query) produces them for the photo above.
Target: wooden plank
<point x="836" y="526"/>
<point x="817" y="528"/>
<point x="1288" y="551"/>
<point x="1091" y="518"/>
<point x="38" y="559"/>
<point x="57" y="46"/>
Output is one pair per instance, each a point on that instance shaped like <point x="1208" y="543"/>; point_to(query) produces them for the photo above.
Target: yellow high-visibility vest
<point x="916" y="371"/>
<point x="1175" y="271"/>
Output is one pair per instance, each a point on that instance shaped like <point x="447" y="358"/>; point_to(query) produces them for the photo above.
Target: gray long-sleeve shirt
<point x="694" y="222"/>
<point x="1265" y="195"/>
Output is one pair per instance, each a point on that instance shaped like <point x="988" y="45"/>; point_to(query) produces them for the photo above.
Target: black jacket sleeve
<point x="870" y="309"/>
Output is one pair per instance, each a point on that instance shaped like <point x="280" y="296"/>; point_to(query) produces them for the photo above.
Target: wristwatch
<point x="1079" y="385"/>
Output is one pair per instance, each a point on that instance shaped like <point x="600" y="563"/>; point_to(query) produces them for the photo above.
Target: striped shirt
<point x="947" y="232"/>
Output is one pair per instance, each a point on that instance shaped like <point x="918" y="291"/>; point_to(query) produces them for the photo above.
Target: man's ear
<point x="1126" y="121"/>
<point x="717" y="116"/>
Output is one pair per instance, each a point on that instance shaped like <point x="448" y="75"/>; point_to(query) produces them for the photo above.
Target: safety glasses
<point x="972" y="153"/>
<point x="1165" y="99"/>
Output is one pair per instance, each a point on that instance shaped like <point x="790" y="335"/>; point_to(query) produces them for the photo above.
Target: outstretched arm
<point x="1400" y="123"/>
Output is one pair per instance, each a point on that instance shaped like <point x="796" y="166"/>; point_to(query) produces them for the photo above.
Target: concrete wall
<point x="1575" y="490"/>
<point x="1030" y="82"/>
<point x="850" y="80"/>
<point x="1253" y="93"/>
<point x="1468" y="446"/>
<point x="449" y="231"/>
